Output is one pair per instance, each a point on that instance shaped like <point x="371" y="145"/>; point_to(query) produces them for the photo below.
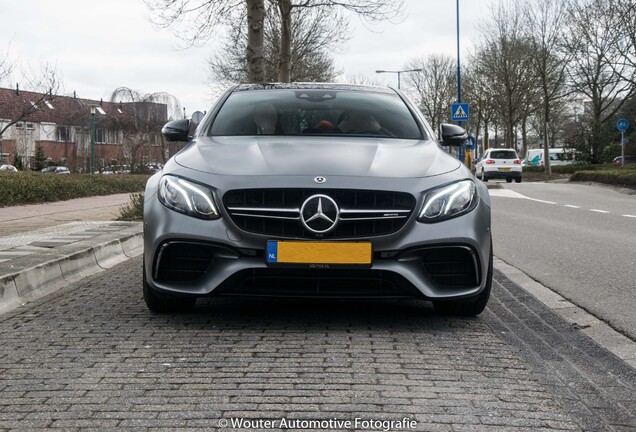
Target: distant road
<point x="577" y="239"/>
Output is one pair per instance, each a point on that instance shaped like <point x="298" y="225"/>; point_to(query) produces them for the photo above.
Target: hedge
<point x="617" y="177"/>
<point x="27" y="187"/>
<point x="572" y="168"/>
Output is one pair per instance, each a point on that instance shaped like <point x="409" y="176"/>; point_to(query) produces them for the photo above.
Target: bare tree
<point x="624" y="36"/>
<point x="42" y="86"/>
<point x="507" y="60"/>
<point x="368" y="10"/>
<point x="362" y="79"/>
<point x="477" y="88"/>
<point x="198" y="21"/>
<point x="317" y="33"/>
<point x="434" y="86"/>
<point x="545" y="23"/>
<point x="5" y="66"/>
<point x="142" y="122"/>
<point x="597" y="69"/>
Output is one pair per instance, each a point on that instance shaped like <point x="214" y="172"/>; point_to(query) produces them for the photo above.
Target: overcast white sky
<point x="100" y="45"/>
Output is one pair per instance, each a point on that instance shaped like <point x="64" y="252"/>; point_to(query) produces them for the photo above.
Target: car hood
<point x="351" y="156"/>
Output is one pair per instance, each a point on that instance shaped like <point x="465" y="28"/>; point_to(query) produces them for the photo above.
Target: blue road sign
<point x="459" y="112"/>
<point x="470" y="143"/>
<point x="622" y="125"/>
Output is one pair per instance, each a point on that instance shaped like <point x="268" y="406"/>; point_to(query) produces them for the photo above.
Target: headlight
<point x="449" y="201"/>
<point x="187" y="197"/>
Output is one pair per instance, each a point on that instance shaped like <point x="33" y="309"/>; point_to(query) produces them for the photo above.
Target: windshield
<point x="315" y="112"/>
<point x="561" y="156"/>
<point x="503" y="154"/>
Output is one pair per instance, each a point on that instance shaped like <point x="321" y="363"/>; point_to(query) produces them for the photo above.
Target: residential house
<point x="125" y="133"/>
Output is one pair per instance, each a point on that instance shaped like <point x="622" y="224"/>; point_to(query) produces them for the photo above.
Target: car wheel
<point x="162" y="303"/>
<point x="470" y="307"/>
<point x="483" y="176"/>
<point x="518" y="179"/>
<point x="508" y="180"/>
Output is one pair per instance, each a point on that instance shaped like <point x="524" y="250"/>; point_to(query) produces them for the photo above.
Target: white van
<point x="558" y="156"/>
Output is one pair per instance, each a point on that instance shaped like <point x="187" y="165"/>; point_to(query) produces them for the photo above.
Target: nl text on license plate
<point x="319" y="253"/>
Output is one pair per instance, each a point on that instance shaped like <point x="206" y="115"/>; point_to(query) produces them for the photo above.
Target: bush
<point x="34" y="187"/>
<point x="134" y="210"/>
<point x="570" y="169"/>
<point x="616" y="176"/>
<point x="573" y="168"/>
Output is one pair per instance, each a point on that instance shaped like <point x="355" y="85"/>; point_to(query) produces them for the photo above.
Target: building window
<point x="29" y="126"/>
<point x="101" y="136"/>
<point x="78" y="130"/>
<point x="19" y="125"/>
<point x="63" y="133"/>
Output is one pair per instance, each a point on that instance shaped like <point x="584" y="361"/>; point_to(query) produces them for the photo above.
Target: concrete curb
<point x="38" y="281"/>
<point x="597" y="330"/>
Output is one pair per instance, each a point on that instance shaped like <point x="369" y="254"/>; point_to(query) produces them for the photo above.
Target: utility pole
<point x="459" y="82"/>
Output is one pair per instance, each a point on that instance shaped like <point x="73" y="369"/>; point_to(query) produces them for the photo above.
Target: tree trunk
<point x="254" y="51"/>
<point x="524" y="137"/>
<point x="486" y="143"/>
<point x="284" y="58"/>
<point x="496" y="135"/>
<point x="546" y="138"/>
<point x="510" y="128"/>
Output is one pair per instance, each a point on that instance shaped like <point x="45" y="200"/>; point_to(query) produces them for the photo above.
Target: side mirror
<point x="452" y="135"/>
<point x="176" y="130"/>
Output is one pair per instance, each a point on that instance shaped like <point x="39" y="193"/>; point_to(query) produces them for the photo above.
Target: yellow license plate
<point x="308" y="252"/>
<point x="504" y="169"/>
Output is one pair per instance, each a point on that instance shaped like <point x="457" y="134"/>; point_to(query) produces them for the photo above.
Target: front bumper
<point x="495" y="173"/>
<point x="232" y="262"/>
<point x="222" y="259"/>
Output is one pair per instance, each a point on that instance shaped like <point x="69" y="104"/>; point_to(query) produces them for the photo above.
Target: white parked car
<point x="8" y="168"/>
<point x="499" y="163"/>
<point x="56" y="170"/>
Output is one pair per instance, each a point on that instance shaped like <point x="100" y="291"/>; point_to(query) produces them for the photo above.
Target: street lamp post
<point x="92" y="140"/>
<point x="398" y="72"/>
<point x="459" y="82"/>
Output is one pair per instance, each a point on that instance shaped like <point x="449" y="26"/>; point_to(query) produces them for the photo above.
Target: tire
<point x="508" y="180"/>
<point x="483" y="176"/>
<point x="162" y="303"/>
<point x="471" y="307"/>
<point x="518" y="180"/>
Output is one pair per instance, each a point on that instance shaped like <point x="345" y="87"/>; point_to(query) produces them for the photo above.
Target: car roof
<point x="313" y="86"/>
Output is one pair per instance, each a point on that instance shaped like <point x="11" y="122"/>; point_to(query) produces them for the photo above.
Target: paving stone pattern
<point x="91" y="357"/>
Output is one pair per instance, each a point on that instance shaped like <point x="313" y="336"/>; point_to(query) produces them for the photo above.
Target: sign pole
<point x="622" y="125"/>
<point x="622" y="149"/>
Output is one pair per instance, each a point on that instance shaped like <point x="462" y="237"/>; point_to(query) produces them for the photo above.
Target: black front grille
<point x="275" y="212"/>
<point x="183" y="261"/>
<point x="456" y="266"/>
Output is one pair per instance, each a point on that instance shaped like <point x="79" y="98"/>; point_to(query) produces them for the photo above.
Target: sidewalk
<point x="28" y="217"/>
<point x="44" y="247"/>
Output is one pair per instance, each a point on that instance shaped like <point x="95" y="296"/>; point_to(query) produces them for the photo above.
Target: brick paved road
<point x="92" y="357"/>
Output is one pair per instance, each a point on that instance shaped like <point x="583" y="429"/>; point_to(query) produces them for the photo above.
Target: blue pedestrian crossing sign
<point x="622" y="125"/>
<point x="459" y="112"/>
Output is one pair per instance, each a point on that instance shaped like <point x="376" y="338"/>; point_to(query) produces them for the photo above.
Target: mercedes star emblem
<point x="319" y="214"/>
<point x="320" y="179"/>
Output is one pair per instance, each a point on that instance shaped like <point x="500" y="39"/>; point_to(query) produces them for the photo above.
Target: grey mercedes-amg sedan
<point x="316" y="190"/>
